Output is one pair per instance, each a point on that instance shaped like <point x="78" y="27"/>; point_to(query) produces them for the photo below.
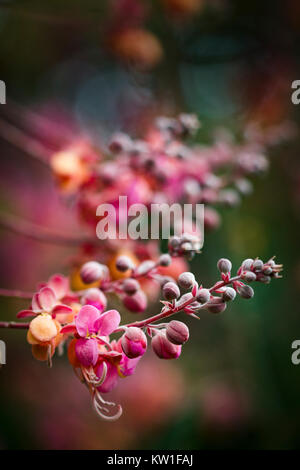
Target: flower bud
<point x="249" y="276"/>
<point x="247" y="264"/>
<point x="171" y="291"/>
<point x="258" y="265"/>
<point x="163" y="348"/>
<point x="267" y="270"/>
<point x="134" y="342"/>
<point x="186" y="280"/>
<point x="96" y="298"/>
<point x="264" y="279"/>
<point x="246" y="292"/>
<point x="130" y="286"/>
<point x="224" y="265"/>
<point x="120" y="142"/>
<point x="203" y="296"/>
<point x="145" y="267"/>
<point x="92" y="272"/>
<point x="177" y="332"/>
<point x="137" y="302"/>
<point x="124" y="263"/>
<point x="229" y="294"/>
<point x="165" y="260"/>
<point x="216" y="305"/>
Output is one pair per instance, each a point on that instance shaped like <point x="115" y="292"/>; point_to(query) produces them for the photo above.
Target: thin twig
<point x="15" y="325"/>
<point x="15" y="293"/>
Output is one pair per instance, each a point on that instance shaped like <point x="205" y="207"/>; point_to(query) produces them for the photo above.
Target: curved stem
<point x="172" y="311"/>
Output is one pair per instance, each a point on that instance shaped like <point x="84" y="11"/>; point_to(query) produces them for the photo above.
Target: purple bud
<point x="177" y="332"/>
<point x="124" y="263"/>
<point x="216" y="305"/>
<point x="186" y="280"/>
<point x="264" y="279"/>
<point x="171" y="291"/>
<point x="92" y="272"/>
<point x="137" y="302"/>
<point x="267" y="270"/>
<point x="134" y="342"/>
<point x="163" y="348"/>
<point x="165" y="260"/>
<point x="203" y="296"/>
<point x="246" y="292"/>
<point x="224" y="265"/>
<point x="130" y="286"/>
<point x="249" y="276"/>
<point x="229" y="294"/>
<point x="120" y="143"/>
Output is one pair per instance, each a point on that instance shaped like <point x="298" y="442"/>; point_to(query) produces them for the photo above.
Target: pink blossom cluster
<point x="101" y="349"/>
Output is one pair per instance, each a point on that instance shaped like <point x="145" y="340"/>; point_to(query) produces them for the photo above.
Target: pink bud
<point x="163" y="348"/>
<point x="130" y="286"/>
<point x="134" y="342"/>
<point x="124" y="263"/>
<point x="96" y="298"/>
<point x="136" y="302"/>
<point x="177" y="332"/>
<point x="92" y="272"/>
<point x="171" y="291"/>
<point x="216" y="305"/>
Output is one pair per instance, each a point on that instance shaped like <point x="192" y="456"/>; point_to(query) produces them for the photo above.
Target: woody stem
<point x="13" y="324"/>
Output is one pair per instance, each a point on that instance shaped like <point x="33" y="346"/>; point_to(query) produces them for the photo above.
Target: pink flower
<point x="45" y="301"/>
<point x="134" y="342"/>
<point x="89" y="325"/>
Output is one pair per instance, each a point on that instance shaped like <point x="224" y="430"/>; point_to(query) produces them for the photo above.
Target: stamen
<point x="103" y="411"/>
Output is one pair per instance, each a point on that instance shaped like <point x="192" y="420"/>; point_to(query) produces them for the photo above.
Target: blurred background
<point x="108" y="65"/>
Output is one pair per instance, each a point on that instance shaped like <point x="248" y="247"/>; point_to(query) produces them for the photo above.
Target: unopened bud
<point x="171" y="291"/>
<point x="177" y="332"/>
<point x="264" y="279"/>
<point x="246" y="292"/>
<point x="134" y="342"/>
<point x="267" y="270"/>
<point x="249" y="276"/>
<point x="96" y="298"/>
<point x="186" y="280"/>
<point x="92" y="272"/>
<point x="224" y="265"/>
<point x="124" y="263"/>
<point x="165" y="260"/>
<point x="137" y="302"/>
<point x="247" y="264"/>
<point x="258" y="265"/>
<point x="203" y="296"/>
<point x="216" y="305"/>
<point x="120" y="143"/>
<point x="130" y="286"/>
<point x="163" y="348"/>
<point x="229" y="294"/>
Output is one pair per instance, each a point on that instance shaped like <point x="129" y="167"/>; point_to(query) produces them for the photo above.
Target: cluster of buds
<point x="80" y="319"/>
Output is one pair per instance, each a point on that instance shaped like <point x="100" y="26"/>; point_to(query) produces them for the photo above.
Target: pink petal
<point x="59" y="284"/>
<point x="68" y="329"/>
<point x="47" y="299"/>
<point x="86" y="319"/>
<point x="25" y="313"/>
<point x="108" y="322"/>
<point x="127" y="366"/>
<point x="61" y="309"/>
<point x="111" y="380"/>
<point x="87" y="351"/>
<point x="36" y="306"/>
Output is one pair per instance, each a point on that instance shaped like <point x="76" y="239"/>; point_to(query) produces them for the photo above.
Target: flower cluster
<point x="80" y="319"/>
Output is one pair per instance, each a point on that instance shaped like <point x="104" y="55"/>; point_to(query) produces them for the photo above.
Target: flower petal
<point x="59" y="284"/>
<point x="86" y="351"/>
<point x="26" y="313"/>
<point x="61" y="309"/>
<point x="35" y="303"/>
<point x="46" y="299"/>
<point x="108" y="322"/>
<point x="68" y="329"/>
<point x="86" y="319"/>
<point x="111" y="380"/>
